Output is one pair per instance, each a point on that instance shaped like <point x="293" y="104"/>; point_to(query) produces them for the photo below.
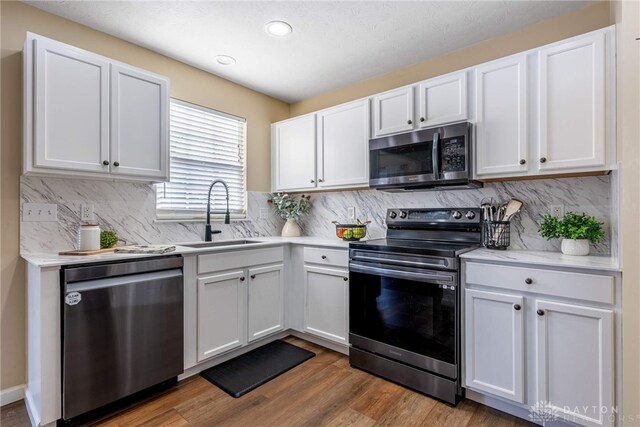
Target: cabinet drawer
<point x="588" y="287"/>
<point x="219" y="261"/>
<point x="322" y="256"/>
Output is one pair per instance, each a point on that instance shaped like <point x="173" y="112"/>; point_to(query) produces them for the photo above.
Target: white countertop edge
<point x="544" y="259"/>
<point x="55" y="260"/>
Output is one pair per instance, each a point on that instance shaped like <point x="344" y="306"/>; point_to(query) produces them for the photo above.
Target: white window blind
<point x="205" y="145"/>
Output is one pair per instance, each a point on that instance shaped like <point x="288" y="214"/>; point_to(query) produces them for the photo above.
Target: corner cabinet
<point x="89" y="116"/>
<point x="325" y="150"/>
<point x="536" y="336"/>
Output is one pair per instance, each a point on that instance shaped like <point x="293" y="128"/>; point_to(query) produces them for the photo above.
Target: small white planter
<point x="575" y="247"/>
<point x="291" y="229"/>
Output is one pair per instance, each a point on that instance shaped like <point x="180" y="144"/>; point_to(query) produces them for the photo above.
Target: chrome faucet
<point x="227" y="217"/>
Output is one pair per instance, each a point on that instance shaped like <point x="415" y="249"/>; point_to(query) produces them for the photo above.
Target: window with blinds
<point x="205" y="145"/>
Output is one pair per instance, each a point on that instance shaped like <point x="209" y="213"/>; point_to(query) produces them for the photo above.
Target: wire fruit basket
<point x="351" y="232"/>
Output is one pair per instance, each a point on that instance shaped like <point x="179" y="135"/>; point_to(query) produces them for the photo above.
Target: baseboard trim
<point x="11" y="394"/>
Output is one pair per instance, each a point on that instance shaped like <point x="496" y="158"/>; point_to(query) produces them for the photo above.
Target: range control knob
<point x="392" y="214"/>
<point x="470" y="215"/>
<point x="403" y="214"/>
<point x="456" y="215"/>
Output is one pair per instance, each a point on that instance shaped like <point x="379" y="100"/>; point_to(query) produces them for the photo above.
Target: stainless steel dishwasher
<point x="122" y="330"/>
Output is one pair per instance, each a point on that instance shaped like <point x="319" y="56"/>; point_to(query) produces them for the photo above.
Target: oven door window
<point x="416" y="316"/>
<point x="405" y="160"/>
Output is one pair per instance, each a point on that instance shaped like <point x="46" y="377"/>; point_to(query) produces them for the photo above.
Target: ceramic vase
<point x="575" y="247"/>
<point x="291" y="228"/>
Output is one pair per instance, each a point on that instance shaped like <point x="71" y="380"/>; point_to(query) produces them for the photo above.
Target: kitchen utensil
<point x="513" y="207"/>
<point x="485" y="205"/>
<point x="501" y="211"/>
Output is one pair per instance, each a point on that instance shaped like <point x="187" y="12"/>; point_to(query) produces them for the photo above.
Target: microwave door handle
<point x="434" y="155"/>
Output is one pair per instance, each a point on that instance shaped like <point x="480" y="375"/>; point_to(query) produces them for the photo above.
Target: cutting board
<point x="90" y="252"/>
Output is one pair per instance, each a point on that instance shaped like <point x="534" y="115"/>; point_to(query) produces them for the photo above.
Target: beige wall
<point x="627" y="17"/>
<point x="187" y="83"/>
<point x="584" y="20"/>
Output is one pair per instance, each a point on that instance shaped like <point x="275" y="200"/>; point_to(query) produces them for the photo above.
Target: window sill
<point x="214" y="220"/>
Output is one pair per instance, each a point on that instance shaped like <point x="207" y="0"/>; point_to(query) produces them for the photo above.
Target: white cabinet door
<point x="575" y="361"/>
<point x="501" y="117"/>
<point x="343" y="145"/>
<point x="443" y="100"/>
<point x="326" y="303"/>
<point x="71" y="108"/>
<point x="265" y="301"/>
<point x="294" y="154"/>
<point x="393" y="111"/>
<point x="572" y="104"/>
<point x="221" y="313"/>
<point x="139" y="123"/>
<point x="494" y="343"/>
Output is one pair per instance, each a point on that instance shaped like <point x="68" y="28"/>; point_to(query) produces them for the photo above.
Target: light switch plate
<point x="39" y="212"/>
<point x="351" y="213"/>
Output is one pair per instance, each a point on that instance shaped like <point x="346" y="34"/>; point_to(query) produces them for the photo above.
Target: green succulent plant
<point x="572" y="226"/>
<point x="108" y="239"/>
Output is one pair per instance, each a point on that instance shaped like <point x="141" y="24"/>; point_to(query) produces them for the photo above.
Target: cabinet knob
<point x="312" y="181"/>
<point x="409" y="122"/>
<point x="345" y="279"/>
<point x="253" y="276"/>
<point x="323" y="257"/>
<point x="516" y="307"/>
<point x="543" y="159"/>
<point x="242" y="279"/>
<point x="540" y="312"/>
<point x="528" y="281"/>
<point x="422" y="119"/>
<point x="523" y="161"/>
<point x="320" y="180"/>
<point x="116" y="164"/>
<point x="105" y="162"/>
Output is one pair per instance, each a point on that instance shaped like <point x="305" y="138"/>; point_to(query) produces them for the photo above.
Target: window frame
<point x="167" y="215"/>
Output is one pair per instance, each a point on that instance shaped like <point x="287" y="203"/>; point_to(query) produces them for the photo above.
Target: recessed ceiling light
<point x="278" y="28"/>
<point x="225" y="60"/>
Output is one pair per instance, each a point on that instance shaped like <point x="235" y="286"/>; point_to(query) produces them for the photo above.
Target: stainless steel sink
<point x="218" y="244"/>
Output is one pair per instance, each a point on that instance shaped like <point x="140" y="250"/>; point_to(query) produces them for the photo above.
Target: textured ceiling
<point x="333" y="44"/>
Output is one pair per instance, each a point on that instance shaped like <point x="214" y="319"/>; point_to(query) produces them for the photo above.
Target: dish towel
<point x="146" y="249"/>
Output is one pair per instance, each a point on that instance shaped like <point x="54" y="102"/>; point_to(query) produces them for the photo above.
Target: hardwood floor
<point x="324" y="391"/>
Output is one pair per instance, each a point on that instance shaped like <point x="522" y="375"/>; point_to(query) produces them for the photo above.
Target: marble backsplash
<point x="129" y="209"/>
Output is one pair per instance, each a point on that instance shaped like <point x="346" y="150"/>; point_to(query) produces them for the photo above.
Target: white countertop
<point x="544" y="259"/>
<point x="55" y="260"/>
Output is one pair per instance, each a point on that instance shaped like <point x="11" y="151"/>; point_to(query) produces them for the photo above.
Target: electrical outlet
<point x="39" y="212"/>
<point x="351" y="213"/>
<point x="86" y="212"/>
<point x="557" y="210"/>
<point x="264" y="213"/>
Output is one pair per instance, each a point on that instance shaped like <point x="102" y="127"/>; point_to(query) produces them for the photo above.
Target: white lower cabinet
<point x="574" y="355"/>
<point x="533" y="345"/>
<point x="221" y="308"/>
<point x="494" y="339"/>
<point x="326" y="298"/>
<point x="265" y="301"/>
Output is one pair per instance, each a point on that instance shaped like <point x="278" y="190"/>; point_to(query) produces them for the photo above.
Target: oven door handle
<point x="433" y="277"/>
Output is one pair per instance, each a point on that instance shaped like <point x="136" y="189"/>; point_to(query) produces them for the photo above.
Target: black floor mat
<point x="242" y="374"/>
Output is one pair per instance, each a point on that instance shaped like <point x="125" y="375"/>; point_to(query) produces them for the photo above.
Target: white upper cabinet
<point x="293" y="156"/>
<point x="502" y="117"/>
<point x="574" y="346"/>
<point x="89" y="116"/>
<point x="572" y="111"/>
<point x="443" y="100"/>
<point x="139" y="123"/>
<point x="343" y="145"/>
<point x="70" y="94"/>
<point x="393" y="111"/>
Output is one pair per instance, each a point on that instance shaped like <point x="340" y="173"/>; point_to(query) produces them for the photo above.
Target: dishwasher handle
<point x="111" y="282"/>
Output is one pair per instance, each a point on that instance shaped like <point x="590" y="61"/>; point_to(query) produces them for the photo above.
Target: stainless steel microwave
<point x="426" y="159"/>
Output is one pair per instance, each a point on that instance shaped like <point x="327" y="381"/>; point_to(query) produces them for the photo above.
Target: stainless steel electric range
<point x="404" y="299"/>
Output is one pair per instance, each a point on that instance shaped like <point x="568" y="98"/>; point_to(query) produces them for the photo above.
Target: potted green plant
<point x="290" y="207"/>
<point x="576" y="231"/>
